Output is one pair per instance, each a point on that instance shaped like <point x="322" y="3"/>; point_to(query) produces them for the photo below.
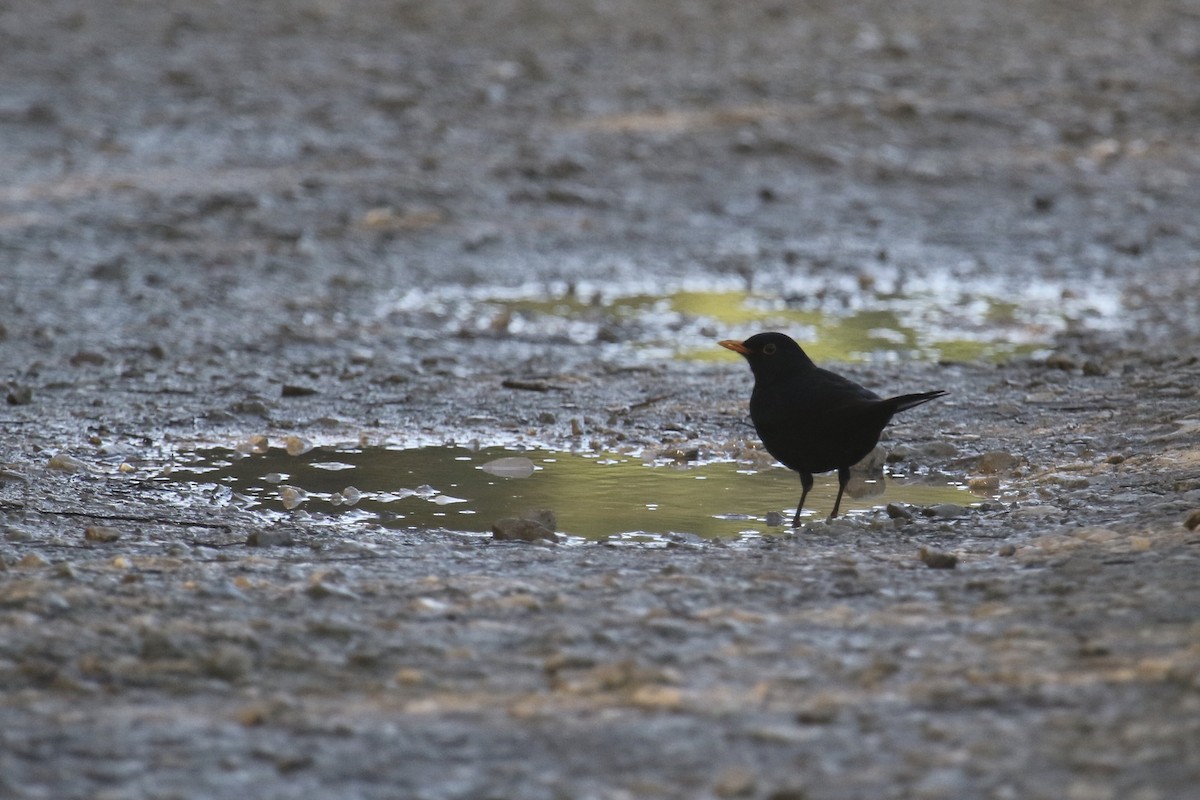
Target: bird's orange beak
<point x="735" y="346"/>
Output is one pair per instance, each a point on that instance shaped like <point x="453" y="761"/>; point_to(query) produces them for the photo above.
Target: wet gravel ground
<point x="213" y="222"/>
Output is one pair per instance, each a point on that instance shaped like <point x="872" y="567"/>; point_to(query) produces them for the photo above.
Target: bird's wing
<point x="829" y="387"/>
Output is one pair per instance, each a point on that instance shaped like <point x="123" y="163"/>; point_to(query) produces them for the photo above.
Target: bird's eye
<point x="769" y="349"/>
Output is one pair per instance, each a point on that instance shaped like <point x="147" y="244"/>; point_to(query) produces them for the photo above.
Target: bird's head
<point x="770" y="353"/>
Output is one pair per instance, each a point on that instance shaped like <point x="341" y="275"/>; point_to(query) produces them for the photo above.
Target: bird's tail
<point x="907" y="401"/>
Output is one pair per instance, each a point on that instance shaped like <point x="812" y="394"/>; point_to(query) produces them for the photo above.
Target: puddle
<point x="595" y="496"/>
<point x="882" y="317"/>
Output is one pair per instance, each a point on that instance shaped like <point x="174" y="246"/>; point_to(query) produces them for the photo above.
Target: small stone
<point x="88" y="357"/>
<point x="940" y="449"/>
<point x="514" y="529"/>
<point x="55" y="603"/>
<point x="408" y="676"/>
<point x="985" y="484"/>
<point x="1067" y="480"/>
<point x="65" y="463"/>
<point x="320" y="590"/>
<point x="1116" y="458"/>
<point x="31" y="561"/>
<point x="271" y="538"/>
<point x="873" y="461"/>
<point x="512" y="467"/>
<point x="735" y="782"/>
<point x="65" y="569"/>
<point x="1193" y="520"/>
<point x="291" y="496"/>
<point x="253" y="445"/>
<point x="297" y="445"/>
<point x="997" y="461"/>
<point x="1036" y="511"/>
<point x="19" y="396"/>
<point x="897" y="511"/>
<point x="820" y="710"/>
<point x="774" y="519"/>
<point x="1060" y="361"/>
<point x="292" y="390"/>
<point x="945" y="511"/>
<point x="229" y="662"/>
<point x="936" y="559"/>
<point x="101" y="533"/>
<point x="789" y="793"/>
<point x="542" y="516"/>
<point x="350" y="496"/>
<point x="1007" y="550"/>
<point x="15" y="534"/>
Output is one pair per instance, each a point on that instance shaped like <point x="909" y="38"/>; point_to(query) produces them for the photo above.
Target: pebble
<point x="987" y="484"/>
<point x="320" y="590"/>
<point x="1060" y="361"/>
<point x="291" y="496"/>
<point x="940" y="450"/>
<point x="1067" y="480"/>
<point x="516" y="529"/>
<point x="15" y="534"/>
<point x="101" y="533"/>
<point x="253" y="445"/>
<point x="65" y="463"/>
<point x="296" y="390"/>
<point x="543" y="516"/>
<point x="297" y="445"/>
<point x="19" y="396"/>
<point x="408" y="676"/>
<point x="31" y="561"/>
<point x="228" y="662"/>
<point x="775" y="518"/>
<point x="997" y="461"/>
<point x="897" y="511"/>
<point x="55" y="603"/>
<point x="873" y="461"/>
<point x="936" y="559"/>
<point x="945" y="511"/>
<point x="1035" y="511"/>
<point x="1007" y="550"/>
<point x="1193" y="520"/>
<point x="735" y="782"/>
<point x="513" y="467"/>
<point x="272" y="538"/>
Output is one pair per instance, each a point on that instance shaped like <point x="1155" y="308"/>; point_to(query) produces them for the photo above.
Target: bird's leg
<point x="843" y="479"/>
<point x="806" y="482"/>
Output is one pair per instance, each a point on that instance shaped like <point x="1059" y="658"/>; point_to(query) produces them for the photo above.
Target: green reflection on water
<point x="888" y="325"/>
<point x="594" y="495"/>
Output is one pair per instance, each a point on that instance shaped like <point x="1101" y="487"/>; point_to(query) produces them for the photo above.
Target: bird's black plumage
<point x="810" y="419"/>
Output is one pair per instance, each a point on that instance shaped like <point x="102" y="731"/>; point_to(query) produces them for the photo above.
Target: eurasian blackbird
<point x="811" y="419"/>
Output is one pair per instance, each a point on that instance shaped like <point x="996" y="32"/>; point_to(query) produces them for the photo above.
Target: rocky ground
<point x="279" y="218"/>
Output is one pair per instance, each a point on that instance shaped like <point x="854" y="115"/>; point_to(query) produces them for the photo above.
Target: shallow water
<point x="595" y="496"/>
<point x="883" y="314"/>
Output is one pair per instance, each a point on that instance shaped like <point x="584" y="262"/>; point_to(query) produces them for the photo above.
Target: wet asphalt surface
<point x="278" y="219"/>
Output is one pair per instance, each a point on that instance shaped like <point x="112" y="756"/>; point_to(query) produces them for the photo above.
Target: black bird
<point x="811" y="419"/>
